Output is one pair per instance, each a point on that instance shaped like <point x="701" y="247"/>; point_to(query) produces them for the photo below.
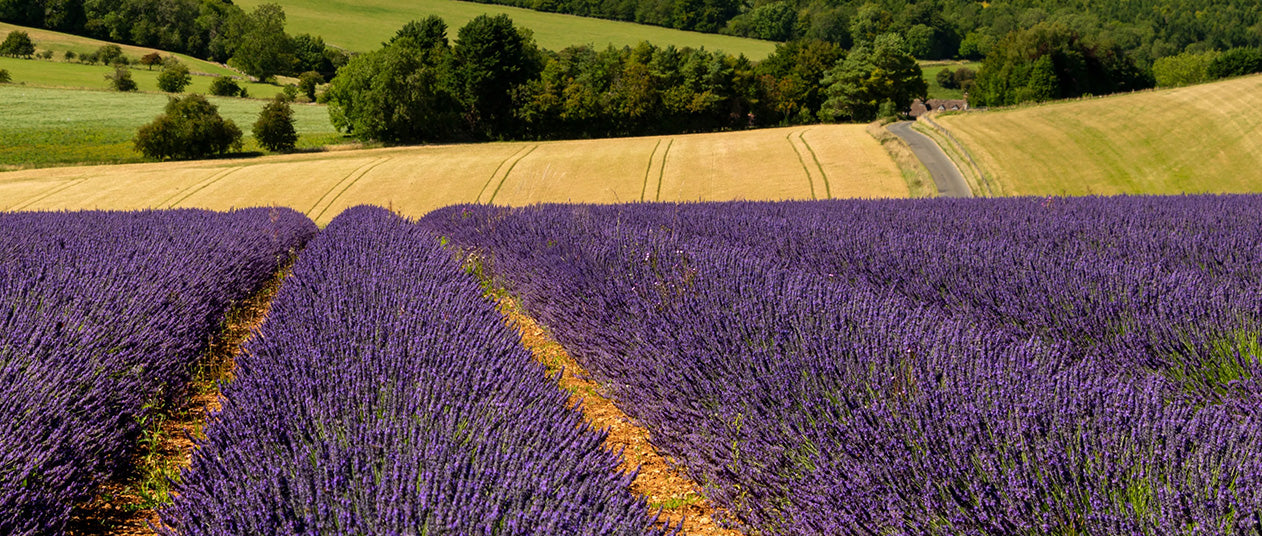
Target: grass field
<point x="48" y="126"/>
<point x="59" y="43"/>
<point x="57" y="73"/>
<point x="1205" y="138"/>
<point x="773" y="164"/>
<point x="931" y="70"/>
<point x="362" y="25"/>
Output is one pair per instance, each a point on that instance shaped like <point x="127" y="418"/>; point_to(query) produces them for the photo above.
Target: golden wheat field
<point x="815" y="162"/>
<point x="1196" y="139"/>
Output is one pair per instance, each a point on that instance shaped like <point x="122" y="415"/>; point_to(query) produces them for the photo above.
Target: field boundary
<point x="957" y="152"/>
<point x="917" y="177"/>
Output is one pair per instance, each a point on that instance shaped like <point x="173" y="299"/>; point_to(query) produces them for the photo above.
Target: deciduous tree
<point x="17" y="44"/>
<point x="274" y="128"/>
<point x="174" y="77"/>
<point x="871" y="76"/>
<point x="191" y="127"/>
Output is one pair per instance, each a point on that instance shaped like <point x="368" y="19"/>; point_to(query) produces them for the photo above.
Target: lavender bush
<point x="385" y="395"/>
<point x="1017" y="366"/>
<point x="102" y="317"/>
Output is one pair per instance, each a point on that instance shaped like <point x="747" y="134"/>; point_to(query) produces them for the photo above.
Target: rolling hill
<point x="1196" y="139"/>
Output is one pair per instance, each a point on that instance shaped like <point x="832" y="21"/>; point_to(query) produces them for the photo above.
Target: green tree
<point x="1235" y="62"/>
<point x="400" y="93"/>
<point x="274" y="128"/>
<point x="224" y="86"/>
<point x="1184" y="69"/>
<point x="263" y="49"/>
<point x="17" y="44"/>
<point x="427" y="33"/>
<point x="111" y="55"/>
<point x="871" y="76"/>
<point x="174" y="77"/>
<point x="493" y="59"/>
<point x="121" y="79"/>
<point x="308" y="82"/>
<point x="191" y="127"/>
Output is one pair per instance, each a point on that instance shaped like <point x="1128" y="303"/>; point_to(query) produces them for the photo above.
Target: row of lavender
<point x="959" y="367"/>
<point x="102" y="318"/>
<point x="385" y="395"/>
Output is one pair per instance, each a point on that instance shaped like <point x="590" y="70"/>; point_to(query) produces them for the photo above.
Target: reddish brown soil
<point x="659" y="480"/>
<point x="115" y="510"/>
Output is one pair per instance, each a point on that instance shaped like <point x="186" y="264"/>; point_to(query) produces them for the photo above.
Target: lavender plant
<point x="385" y="395"/>
<point x="102" y="318"/>
<point x="1019" y="366"/>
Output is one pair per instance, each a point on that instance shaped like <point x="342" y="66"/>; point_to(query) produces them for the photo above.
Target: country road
<point x="948" y="178"/>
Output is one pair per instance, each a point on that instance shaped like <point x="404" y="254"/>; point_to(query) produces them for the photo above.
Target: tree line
<point x="494" y="82"/>
<point x="217" y="30"/>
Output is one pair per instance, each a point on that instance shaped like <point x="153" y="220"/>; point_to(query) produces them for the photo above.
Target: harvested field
<point x="1198" y="139"/>
<point x="770" y="164"/>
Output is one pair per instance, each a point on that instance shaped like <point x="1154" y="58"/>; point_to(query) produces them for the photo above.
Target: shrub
<point x="45" y="55"/>
<point x="88" y="58"/>
<point x="121" y="79"/>
<point x="191" y="127"/>
<point x="275" y="126"/>
<point x="17" y="44"/>
<point x="111" y="55"/>
<point x="69" y="55"/>
<point x="174" y="78"/>
<point x="5" y="77"/>
<point x="307" y="83"/>
<point x="290" y="92"/>
<point x="225" y="86"/>
<point x="946" y="79"/>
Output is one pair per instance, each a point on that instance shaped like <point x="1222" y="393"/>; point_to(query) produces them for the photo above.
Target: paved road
<point x="948" y="178"/>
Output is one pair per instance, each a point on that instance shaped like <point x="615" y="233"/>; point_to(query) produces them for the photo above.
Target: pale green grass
<point x="931" y="70"/>
<point x="48" y="126"/>
<point x="59" y="43"/>
<point x="363" y="24"/>
<point x="1196" y="139"/>
<point x="57" y="73"/>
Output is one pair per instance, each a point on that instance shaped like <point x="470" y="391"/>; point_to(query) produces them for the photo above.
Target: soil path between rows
<point x="660" y="481"/>
<point x="114" y="511"/>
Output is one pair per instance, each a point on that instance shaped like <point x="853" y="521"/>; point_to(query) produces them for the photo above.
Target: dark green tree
<point x="191" y="127"/>
<point x="121" y="79"/>
<point x="5" y="77"/>
<point x="174" y="77"/>
<point x="494" y="58"/>
<point x="311" y="54"/>
<point x="872" y="76"/>
<point x="262" y="48"/>
<point x="274" y="128"/>
<point x="401" y="93"/>
<point x="224" y="86"/>
<point x="1235" y="62"/>
<point x="151" y="59"/>
<point x="111" y="55"/>
<point x="308" y="82"/>
<point x="427" y="33"/>
<point x="17" y="44"/>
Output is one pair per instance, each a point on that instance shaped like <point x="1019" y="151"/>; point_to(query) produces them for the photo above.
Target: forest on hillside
<point x="937" y="29"/>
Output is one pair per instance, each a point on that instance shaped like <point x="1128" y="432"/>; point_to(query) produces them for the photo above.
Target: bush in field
<point x="111" y="55"/>
<point x="5" y="77"/>
<point x="68" y="55"/>
<point x="190" y="128"/>
<point x="17" y="44"/>
<point x="121" y="79"/>
<point x="275" y="126"/>
<point x="174" y="77"/>
<point x="224" y="86"/>
<point x="307" y="83"/>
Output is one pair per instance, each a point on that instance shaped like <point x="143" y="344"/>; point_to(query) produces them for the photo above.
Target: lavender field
<point x="387" y="396"/>
<point x="1014" y="366"/>
<point x="102" y="317"/>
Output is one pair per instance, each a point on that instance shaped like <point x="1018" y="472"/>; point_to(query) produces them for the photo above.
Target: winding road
<point x="948" y="177"/>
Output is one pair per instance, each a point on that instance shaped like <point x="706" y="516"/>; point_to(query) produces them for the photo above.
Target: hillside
<point x="59" y="43"/>
<point x="1205" y="138"/>
<point x="363" y="25"/>
<point x="787" y="163"/>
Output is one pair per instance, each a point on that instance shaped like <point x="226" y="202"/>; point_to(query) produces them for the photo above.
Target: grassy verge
<point x="48" y="127"/>
<point x="979" y="180"/>
<point x="919" y="182"/>
<point x="362" y="25"/>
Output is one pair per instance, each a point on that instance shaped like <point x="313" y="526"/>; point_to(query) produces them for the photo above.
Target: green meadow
<point x="363" y="24"/>
<point x="51" y="126"/>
